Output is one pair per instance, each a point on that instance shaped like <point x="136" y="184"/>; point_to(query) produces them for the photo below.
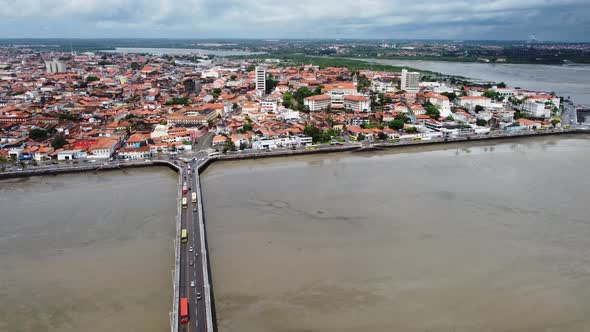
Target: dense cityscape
<point x="88" y="107"/>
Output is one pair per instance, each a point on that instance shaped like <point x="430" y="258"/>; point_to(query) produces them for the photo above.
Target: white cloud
<point x="293" y="18"/>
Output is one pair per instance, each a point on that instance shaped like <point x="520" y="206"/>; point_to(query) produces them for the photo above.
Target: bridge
<point x="192" y="273"/>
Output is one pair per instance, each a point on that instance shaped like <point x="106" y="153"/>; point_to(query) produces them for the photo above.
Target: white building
<point x="357" y="103"/>
<point x="535" y="108"/>
<point x="318" y="102"/>
<point x="55" y="66"/>
<point x="136" y="153"/>
<point x="260" y="80"/>
<point x="410" y="81"/>
<point x="470" y="102"/>
<point x="440" y="101"/>
<point x="268" y="106"/>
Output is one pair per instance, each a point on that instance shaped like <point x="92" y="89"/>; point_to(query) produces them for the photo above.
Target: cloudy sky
<point x="557" y="20"/>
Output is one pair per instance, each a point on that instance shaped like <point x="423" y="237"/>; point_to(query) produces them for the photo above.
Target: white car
<point x="193" y="283"/>
<point x="190" y="249"/>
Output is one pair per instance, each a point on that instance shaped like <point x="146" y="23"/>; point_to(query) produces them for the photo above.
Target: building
<point x="440" y="101"/>
<point x="535" y="108"/>
<point x="192" y="85"/>
<point x="410" y="81"/>
<point x="55" y="66"/>
<point x="260" y="80"/>
<point x="318" y="102"/>
<point x="357" y="103"/>
<point x="135" y="153"/>
<point x="268" y="106"/>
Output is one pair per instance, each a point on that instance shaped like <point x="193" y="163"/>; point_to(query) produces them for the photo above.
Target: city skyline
<point x="561" y="21"/>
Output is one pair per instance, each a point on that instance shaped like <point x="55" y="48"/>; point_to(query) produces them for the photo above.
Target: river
<point x="486" y="236"/>
<point x="87" y="252"/>
<point x="181" y="51"/>
<point x="565" y="80"/>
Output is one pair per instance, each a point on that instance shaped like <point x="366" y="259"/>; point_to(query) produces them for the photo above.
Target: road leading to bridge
<point x="193" y="267"/>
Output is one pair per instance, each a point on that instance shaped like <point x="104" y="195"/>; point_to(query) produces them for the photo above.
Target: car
<point x="196" y="254"/>
<point x="198" y="296"/>
<point x="195" y="210"/>
<point x="191" y="263"/>
<point x="193" y="283"/>
<point x="190" y="249"/>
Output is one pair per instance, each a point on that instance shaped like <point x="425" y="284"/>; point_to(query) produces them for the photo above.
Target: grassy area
<point x="323" y="62"/>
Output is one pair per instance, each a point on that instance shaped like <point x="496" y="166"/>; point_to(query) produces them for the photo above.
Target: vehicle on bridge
<point x="194" y="197"/>
<point x="184" y="202"/>
<point x="184" y="236"/>
<point x="184" y="310"/>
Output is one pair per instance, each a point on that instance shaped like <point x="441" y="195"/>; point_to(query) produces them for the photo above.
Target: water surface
<point x="87" y="252"/>
<point x="490" y="236"/>
<point x="565" y="80"/>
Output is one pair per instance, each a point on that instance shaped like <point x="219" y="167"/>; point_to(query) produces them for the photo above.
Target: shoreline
<point x="284" y="153"/>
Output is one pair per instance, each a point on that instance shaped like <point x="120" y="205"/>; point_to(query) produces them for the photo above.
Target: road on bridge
<point x="191" y="261"/>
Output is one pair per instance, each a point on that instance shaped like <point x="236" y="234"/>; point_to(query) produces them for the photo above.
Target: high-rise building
<point x="55" y="66"/>
<point x="260" y="80"/>
<point x="410" y="81"/>
<point x="192" y="85"/>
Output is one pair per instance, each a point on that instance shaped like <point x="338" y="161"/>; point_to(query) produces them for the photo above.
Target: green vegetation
<point x="58" y="142"/>
<point x="412" y="130"/>
<point x="68" y="116"/>
<point x="229" y="145"/>
<point x="432" y="111"/>
<point x="135" y="66"/>
<point x="363" y="83"/>
<point x="555" y="122"/>
<point x="323" y="62"/>
<point x="38" y="134"/>
<point x="92" y="79"/>
<point x="481" y="122"/>
<point x="396" y="124"/>
<point x="179" y="101"/>
<point x="318" y="136"/>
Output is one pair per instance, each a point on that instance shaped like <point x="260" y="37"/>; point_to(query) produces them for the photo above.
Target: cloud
<point x="494" y="19"/>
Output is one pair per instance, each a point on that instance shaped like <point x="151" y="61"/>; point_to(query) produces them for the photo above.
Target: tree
<point x="270" y="85"/>
<point x="502" y="85"/>
<point x="432" y="111"/>
<point x="233" y="77"/>
<point x="314" y="132"/>
<point x="360" y="137"/>
<point x="412" y="130"/>
<point x="250" y="68"/>
<point x="58" y="142"/>
<point x="382" y="135"/>
<point x="243" y="145"/>
<point x="210" y="123"/>
<point x="450" y="118"/>
<point x="92" y="79"/>
<point x="179" y="101"/>
<point x="481" y="122"/>
<point x="38" y="134"/>
<point x="229" y="145"/>
<point x="396" y="124"/>
<point x="235" y="107"/>
<point x="479" y="108"/>
<point x="555" y="122"/>
<point x="288" y="99"/>
<point x="216" y="92"/>
<point x="517" y="115"/>
<point x="363" y="83"/>
<point x="135" y="66"/>
<point x="451" y="95"/>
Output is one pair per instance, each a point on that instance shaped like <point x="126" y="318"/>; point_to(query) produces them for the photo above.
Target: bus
<point x="194" y="197"/>
<point x="184" y="202"/>
<point x="184" y="310"/>
<point x="184" y="236"/>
